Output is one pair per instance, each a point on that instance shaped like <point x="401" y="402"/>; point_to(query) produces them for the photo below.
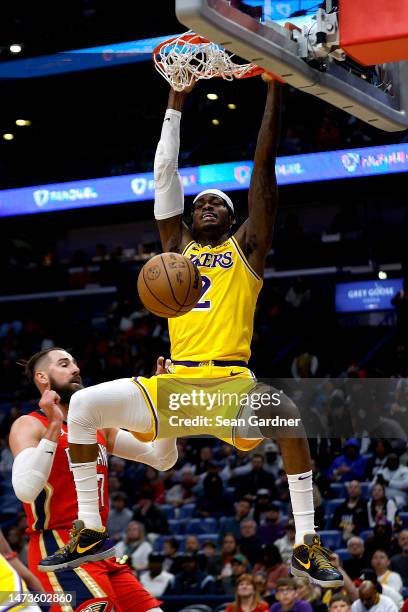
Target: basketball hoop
<point x="190" y="57"/>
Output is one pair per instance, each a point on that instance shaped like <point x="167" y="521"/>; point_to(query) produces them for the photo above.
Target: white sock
<point x="86" y="484"/>
<point x="301" y="496"/>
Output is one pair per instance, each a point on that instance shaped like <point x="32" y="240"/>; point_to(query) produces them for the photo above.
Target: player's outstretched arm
<point x="169" y="193"/>
<point x="255" y="235"/>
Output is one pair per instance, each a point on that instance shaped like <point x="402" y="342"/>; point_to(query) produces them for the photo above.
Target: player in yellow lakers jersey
<point x="210" y="343"/>
<point x="14" y="577"/>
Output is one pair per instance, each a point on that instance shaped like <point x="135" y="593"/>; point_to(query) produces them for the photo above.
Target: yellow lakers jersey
<point x="11" y="587"/>
<point x="221" y="324"/>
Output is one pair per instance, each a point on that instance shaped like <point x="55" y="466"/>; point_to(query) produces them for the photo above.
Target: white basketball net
<point x="181" y="62"/>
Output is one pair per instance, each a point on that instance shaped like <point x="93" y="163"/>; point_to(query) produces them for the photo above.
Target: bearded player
<point x="210" y="342"/>
<point x="42" y="479"/>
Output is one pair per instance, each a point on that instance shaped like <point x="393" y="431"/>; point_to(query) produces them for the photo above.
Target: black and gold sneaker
<point x="312" y="561"/>
<point x="85" y="545"/>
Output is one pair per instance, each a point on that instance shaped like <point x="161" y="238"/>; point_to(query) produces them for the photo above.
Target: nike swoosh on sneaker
<point x="305" y="565"/>
<point x="81" y="549"/>
<point x="304" y="477"/>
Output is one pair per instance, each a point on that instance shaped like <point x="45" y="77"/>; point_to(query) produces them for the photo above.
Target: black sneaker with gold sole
<point x="85" y="545"/>
<point x="312" y="561"/>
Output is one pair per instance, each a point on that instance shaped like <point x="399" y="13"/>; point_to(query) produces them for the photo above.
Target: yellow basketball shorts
<point x="206" y="399"/>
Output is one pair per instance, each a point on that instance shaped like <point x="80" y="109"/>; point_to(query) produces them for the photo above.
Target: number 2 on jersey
<point x="203" y="304"/>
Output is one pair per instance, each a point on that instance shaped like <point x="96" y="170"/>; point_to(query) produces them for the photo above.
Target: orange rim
<point x="184" y="38"/>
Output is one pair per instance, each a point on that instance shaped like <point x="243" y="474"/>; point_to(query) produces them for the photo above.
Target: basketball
<point x="169" y="285"/>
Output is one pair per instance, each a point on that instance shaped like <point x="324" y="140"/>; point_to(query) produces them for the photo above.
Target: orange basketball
<point x="169" y="285"/>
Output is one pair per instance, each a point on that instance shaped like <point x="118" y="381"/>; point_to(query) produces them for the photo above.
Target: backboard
<point x="307" y="55"/>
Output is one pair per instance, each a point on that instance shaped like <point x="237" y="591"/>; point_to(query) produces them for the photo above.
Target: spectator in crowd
<point x="285" y="544"/>
<point x="192" y="545"/>
<point x="182" y="492"/>
<point x="308" y="592"/>
<point x="351" y="516"/>
<point x="257" y="478"/>
<point x="320" y="480"/>
<point x="282" y="487"/>
<point x="286" y="595"/>
<point x="191" y="580"/>
<point x="381" y="450"/>
<point x="119" y="515"/>
<point x="386" y="590"/>
<point x="380" y="507"/>
<point x="399" y="562"/>
<point x="213" y="500"/>
<point x="233" y="524"/>
<point x="349" y="587"/>
<point x="154" y="483"/>
<point x="350" y="465"/>
<point x="382" y="538"/>
<point x="125" y="476"/>
<point x="156" y="580"/>
<point x="247" y="598"/>
<point x="135" y="546"/>
<point x="357" y="561"/>
<point x="273" y="460"/>
<point x="239" y="566"/>
<point x="260" y="585"/>
<point x="271" y="565"/>
<point x="150" y="514"/>
<point x="229" y="548"/>
<point x="213" y="558"/>
<point x="170" y="551"/>
<point x="272" y="528"/>
<point x="262" y="502"/>
<point x="381" y="565"/>
<point x="249" y="542"/>
<point x="386" y="427"/>
<point x="338" y="416"/>
<point x="204" y="461"/>
<point x="395" y="479"/>
<point x="370" y="598"/>
<point x="340" y="603"/>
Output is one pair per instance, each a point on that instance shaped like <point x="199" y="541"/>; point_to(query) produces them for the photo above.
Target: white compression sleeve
<point x="31" y="469"/>
<point x="169" y="193"/>
<point x="160" y="454"/>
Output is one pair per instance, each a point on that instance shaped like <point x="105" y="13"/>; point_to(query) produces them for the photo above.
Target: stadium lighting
<point x="8" y="136"/>
<point x="382" y="275"/>
<point x="215" y="121"/>
<point x="212" y="96"/>
<point x="232" y="106"/>
<point x="15" y="48"/>
<point x="23" y="122"/>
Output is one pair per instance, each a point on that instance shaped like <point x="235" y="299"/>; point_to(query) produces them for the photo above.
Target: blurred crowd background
<point x="216" y="529"/>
